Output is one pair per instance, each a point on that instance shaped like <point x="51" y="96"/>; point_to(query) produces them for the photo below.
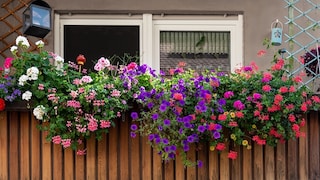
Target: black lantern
<point x="37" y="19"/>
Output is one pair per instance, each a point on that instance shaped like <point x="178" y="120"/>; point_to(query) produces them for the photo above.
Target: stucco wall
<point x="258" y="15"/>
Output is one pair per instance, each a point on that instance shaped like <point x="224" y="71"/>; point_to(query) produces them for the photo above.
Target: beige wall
<point x="258" y="15"/>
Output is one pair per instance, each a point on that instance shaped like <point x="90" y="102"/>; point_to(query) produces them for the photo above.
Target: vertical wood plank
<point x="292" y="162"/>
<point x="135" y="157"/>
<point x="168" y="170"/>
<point x="157" y="172"/>
<point x="4" y="145"/>
<point x="35" y="150"/>
<point x="25" y="145"/>
<point x="57" y="162"/>
<point x="46" y="158"/>
<point x="124" y="150"/>
<point x="91" y="158"/>
<point x="14" y="146"/>
<point x="80" y="164"/>
<point x="146" y="159"/>
<point x="258" y="162"/>
<point x="314" y="168"/>
<point x="203" y="157"/>
<point x="68" y="164"/>
<point x="224" y="165"/>
<point x="269" y="163"/>
<point x="191" y="155"/>
<point x="180" y="169"/>
<point x="281" y="162"/>
<point x="236" y="165"/>
<point x="113" y="152"/>
<point x="214" y="172"/>
<point x="247" y="163"/>
<point x="102" y="158"/>
<point x="303" y="152"/>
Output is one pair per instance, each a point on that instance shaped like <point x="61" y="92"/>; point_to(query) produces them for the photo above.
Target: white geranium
<point x="23" y="80"/>
<point x="39" y="112"/>
<point x="22" y="41"/>
<point x="40" y="44"/>
<point x="58" y="62"/>
<point x="33" y="73"/>
<point x="14" y="49"/>
<point x="27" y="95"/>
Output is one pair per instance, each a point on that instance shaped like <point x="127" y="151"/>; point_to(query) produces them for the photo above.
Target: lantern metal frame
<point x="34" y="23"/>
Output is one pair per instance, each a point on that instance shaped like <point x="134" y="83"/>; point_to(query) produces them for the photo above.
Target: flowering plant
<point x="71" y="103"/>
<point x="240" y="108"/>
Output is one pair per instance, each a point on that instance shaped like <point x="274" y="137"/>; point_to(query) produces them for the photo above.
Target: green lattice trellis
<point x="303" y="38"/>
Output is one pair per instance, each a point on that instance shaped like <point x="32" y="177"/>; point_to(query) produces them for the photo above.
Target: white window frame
<point x="150" y="29"/>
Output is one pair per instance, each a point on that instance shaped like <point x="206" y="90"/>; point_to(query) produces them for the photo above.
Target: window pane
<point x="200" y="50"/>
<point x="95" y="41"/>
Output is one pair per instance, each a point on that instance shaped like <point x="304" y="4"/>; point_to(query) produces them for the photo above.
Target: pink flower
<point x="132" y="65"/>
<point x="233" y="124"/>
<point x="177" y="96"/>
<point x="66" y="142"/>
<point x="41" y="87"/>
<point x="220" y="146"/>
<point x="86" y="79"/>
<point x="228" y="94"/>
<point x="8" y="62"/>
<point x="56" y="139"/>
<point x="73" y="94"/>
<point x="283" y="89"/>
<point x="261" y="53"/>
<point x="115" y="93"/>
<point x="105" y="124"/>
<point x="232" y="155"/>
<point x="76" y="81"/>
<point x="81" y="152"/>
<point x="238" y="105"/>
<point x="266" y="88"/>
<point x="92" y="126"/>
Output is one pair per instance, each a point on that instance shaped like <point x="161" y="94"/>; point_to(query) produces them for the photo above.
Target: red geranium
<point x="2" y="104"/>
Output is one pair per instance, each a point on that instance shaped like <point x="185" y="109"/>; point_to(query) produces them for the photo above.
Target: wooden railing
<point x="25" y="154"/>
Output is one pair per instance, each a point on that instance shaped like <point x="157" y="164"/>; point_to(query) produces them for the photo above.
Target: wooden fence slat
<point x="224" y="164"/>
<point x="191" y="155"/>
<point x="269" y="163"/>
<point x="90" y="163"/>
<point x="146" y="159"/>
<point x="3" y="145"/>
<point x="79" y="166"/>
<point x="157" y="168"/>
<point x="258" y="162"/>
<point x="135" y="157"/>
<point x="113" y="152"/>
<point x="102" y="159"/>
<point x="57" y="162"/>
<point x="203" y="156"/>
<point x="247" y="163"/>
<point x="180" y="169"/>
<point x="292" y="163"/>
<point x="69" y="164"/>
<point x="236" y="165"/>
<point x="303" y="153"/>
<point x="46" y="158"/>
<point x="281" y="162"/>
<point x="14" y="146"/>
<point x="168" y="170"/>
<point x="314" y="147"/>
<point x="35" y="150"/>
<point x="124" y="150"/>
<point x="25" y="145"/>
<point x="214" y="171"/>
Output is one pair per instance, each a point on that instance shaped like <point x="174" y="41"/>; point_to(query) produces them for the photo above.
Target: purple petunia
<point x="216" y="135"/>
<point x="155" y="116"/>
<point x="133" y="134"/>
<point x="201" y="128"/>
<point x="134" y="115"/>
<point x="134" y="127"/>
<point x="166" y="122"/>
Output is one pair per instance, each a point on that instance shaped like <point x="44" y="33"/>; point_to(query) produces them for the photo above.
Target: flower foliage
<point x="71" y="105"/>
<point x="240" y="108"/>
<point x="186" y="109"/>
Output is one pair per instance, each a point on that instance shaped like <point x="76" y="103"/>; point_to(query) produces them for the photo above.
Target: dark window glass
<point x="95" y="41"/>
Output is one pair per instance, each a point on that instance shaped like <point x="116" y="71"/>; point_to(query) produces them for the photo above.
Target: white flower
<point x="33" y="73"/>
<point x="22" y="41"/>
<point x="14" y="49"/>
<point x="23" y="79"/>
<point x="58" y="62"/>
<point x="27" y="95"/>
<point x="40" y="44"/>
<point x="39" y="111"/>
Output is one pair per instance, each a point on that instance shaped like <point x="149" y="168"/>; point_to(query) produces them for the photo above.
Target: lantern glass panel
<point x="41" y="16"/>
